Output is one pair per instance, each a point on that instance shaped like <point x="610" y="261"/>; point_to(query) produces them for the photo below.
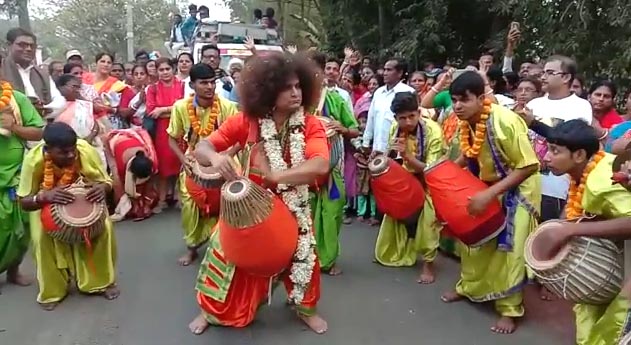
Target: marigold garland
<point x="574" y="207"/>
<point x="68" y="176"/>
<point x="196" y="121"/>
<point x="480" y="133"/>
<point x="450" y="127"/>
<point x="6" y="93"/>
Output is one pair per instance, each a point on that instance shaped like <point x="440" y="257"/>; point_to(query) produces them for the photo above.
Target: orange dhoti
<point x="123" y="145"/>
<point x="229" y="296"/>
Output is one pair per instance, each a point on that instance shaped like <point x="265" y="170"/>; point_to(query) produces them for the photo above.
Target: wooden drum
<point x="204" y="187"/>
<point x="586" y="270"/>
<point x="258" y="233"/>
<point x="77" y="222"/>
<point x="398" y="193"/>
<point x="451" y="187"/>
<point x="336" y="142"/>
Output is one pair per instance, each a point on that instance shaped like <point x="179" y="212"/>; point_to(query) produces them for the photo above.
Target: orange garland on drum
<point x="257" y="231"/>
<point x="196" y="121"/>
<point x="451" y="187"/>
<point x="480" y="132"/>
<point x="398" y="193"/>
<point x="574" y="207"/>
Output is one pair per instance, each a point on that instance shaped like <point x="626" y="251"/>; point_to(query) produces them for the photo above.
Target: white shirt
<point x="25" y="74"/>
<point x="556" y="111"/>
<point x="380" y="117"/>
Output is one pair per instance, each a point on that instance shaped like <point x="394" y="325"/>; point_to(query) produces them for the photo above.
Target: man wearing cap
<point x="74" y="56"/>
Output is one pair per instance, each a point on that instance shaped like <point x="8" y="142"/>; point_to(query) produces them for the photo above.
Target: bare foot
<point x="315" y="323"/>
<point x="373" y="222"/>
<point x="451" y="296"/>
<point x="49" y="306"/>
<point x="160" y="207"/>
<point x="347" y="220"/>
<point x="15" y="277"/>
<point x="190" y="256"/>
<point x="333" y="271"/>
<point x="547" y="295"/>
<point x="198" y="325"/>
<point x="427" y="274"/>
<point x="505" y="325"/>
<point x="112" y="292"/>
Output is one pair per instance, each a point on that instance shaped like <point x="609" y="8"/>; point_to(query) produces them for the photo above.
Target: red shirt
<point x="610" y="119"/>
<point x="358" y="92"/>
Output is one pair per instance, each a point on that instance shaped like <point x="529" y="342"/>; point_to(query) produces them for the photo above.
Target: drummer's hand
<point x="56" y="196"/>
<point x="96" y="193"/>
<point x="374" y="154"/>
<point x="552" y="241"/>
<point x="187" y="164"/>
<point x="224" y="166"/>
<point x="479" y="202"/>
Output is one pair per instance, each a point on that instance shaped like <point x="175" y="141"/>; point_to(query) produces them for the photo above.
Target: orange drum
<point x="77" y="222"/>
<point x="398" y="193"/>
<point x="204" y="187"/>
<point x="257" y="231"/>
<point x="451" y="187"/>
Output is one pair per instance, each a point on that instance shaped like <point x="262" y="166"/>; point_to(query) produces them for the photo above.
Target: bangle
<point x="433" y="88"/>
<point x="604" y="136"/>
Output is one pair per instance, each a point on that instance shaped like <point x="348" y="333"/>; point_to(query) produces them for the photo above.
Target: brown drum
<point x="78" y="222"/>
<point x="204" y="187"/>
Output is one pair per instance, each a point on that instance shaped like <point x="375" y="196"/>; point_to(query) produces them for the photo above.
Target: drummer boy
<point x="418" y="142"/>
<point x="574" y="149"/>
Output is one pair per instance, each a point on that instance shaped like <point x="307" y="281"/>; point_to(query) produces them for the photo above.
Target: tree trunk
<point x="23" y="17"/>
<point x="382" y="24"/>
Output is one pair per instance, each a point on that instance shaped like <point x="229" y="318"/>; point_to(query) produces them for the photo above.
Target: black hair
<point x="177" y="15"/>
<point x="190" y="56"/>
<point x="512" y="79"/>
<point x="139" y="65"/>
<point x="122" y="66"/>
<point x="203" y="8"/>
<point x="201" y="71"/>
<point x="404" y="102"/>
<point x="140" y="53"/>
<point x="379" y="79"/>
<point x="575" y="135"/>
<point x="192" y="7"/>
<point x="141" y="166"/>
<point x="69" y="66"/>
<point x="318" y="58"/>
<point x="468" y="81"/>
<point x="495" y="75"/>
<point x="14" y="33"/>
<point x="102" y="54"/>
<point x="258" y="14"/>
<point x="60" y="135"/>
<point x="210" y="47"/>
<point x="51" y="64"/>
<point x="64" y="79"/>
<point x="534" y="81"/>
<point x="333" y="59"/>
<point x="356" y="79"/>
<point x="568" y="66"/>
<point x="606" y="83"/>
<point x="269" y="12"/>
<point x="402" y="66"/>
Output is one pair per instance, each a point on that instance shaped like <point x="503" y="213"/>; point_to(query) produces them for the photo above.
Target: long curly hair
<point x="265" y="76"/>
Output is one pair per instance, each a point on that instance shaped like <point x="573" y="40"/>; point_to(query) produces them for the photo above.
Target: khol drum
<point x="398" y="193"/>
<point x="451" y="188"/>
<point x="586" y="270"/>
<point x="257" y="231"/>
<point x="336" y="142"/>
<point x="77" y="222"/>
<point x="204" y="187"/>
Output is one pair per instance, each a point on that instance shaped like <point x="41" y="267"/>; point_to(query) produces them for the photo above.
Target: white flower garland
<point x="295" y="197"/>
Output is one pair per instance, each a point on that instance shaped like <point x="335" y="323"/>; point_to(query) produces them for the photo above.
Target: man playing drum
<point x="496" y="148"/>
<point x="328" y="200"/>
<point x="19" y="122"/>
<point x="419" y="142"/>
<point x="48" y="169"/>
<point x="293" y="152"/>
<point x="574" y="149"/>
<point x="193" y="119"/>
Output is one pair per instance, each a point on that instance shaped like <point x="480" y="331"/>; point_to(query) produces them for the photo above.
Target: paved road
<point x="367" y="305"/>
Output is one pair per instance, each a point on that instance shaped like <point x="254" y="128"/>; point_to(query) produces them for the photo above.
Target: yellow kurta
<point x="196" y="228"/>
<point x="486" y="272"/>
<point x="604" y="324"/>
<point x="57" y="261"/>
<point x="393" y="247"/>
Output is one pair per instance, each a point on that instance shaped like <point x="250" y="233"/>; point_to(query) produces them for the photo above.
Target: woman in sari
<point x="160" y="98"/>
<point x="115" y="93"/>
<point x="152" y="71"/>
<point x="138" y="105"/>
<point x="418" y="81"/>
<point x="133" y="161"/>
<point x="87" y="91"/>
<point x="184" y="64"/>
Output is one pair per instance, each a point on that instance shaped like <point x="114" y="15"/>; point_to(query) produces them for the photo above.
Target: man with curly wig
<point x="329" y="198"/>
<point x="286" y="151"/>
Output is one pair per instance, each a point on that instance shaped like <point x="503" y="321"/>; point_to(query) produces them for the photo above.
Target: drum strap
<point x="512" y="198"/>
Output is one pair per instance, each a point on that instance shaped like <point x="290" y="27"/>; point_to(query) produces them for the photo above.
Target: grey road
<point x="367" y="305"/>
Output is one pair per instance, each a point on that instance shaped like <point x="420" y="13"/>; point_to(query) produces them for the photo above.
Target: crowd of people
<point x="539" y="139"/>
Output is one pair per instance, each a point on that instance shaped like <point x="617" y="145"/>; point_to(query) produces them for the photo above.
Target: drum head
<point x="535" y="254"/>
<point x="236" y="190"/>
<point x="81" y="212"/>
<point x="378" y="164"/>
<point x="206" y="173"/>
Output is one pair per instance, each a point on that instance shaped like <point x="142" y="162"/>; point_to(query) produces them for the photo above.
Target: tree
<point x="93" y="26"/>
<point x="17" y="8"/>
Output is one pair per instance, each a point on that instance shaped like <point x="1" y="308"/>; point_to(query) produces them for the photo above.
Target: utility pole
<point x="129" y="9"/>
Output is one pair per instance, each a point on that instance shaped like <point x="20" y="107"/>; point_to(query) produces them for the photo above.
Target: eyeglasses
<point x="553" y="73"/>
<point x="25" y="45"/>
